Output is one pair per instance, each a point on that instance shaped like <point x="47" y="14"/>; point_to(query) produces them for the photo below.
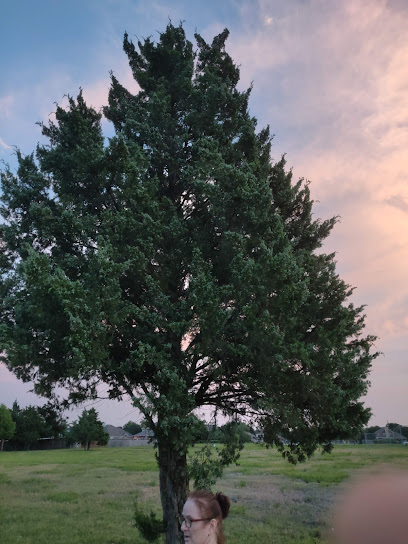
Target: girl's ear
<point x="213" y="526"/>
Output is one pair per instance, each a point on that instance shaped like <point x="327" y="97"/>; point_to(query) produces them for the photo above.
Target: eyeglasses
<point x="189" y="521"/>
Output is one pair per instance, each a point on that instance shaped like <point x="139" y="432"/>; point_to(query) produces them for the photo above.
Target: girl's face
<point x="200" y="532"/>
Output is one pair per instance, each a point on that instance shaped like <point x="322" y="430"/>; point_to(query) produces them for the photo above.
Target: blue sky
<point x="329" y="77"/>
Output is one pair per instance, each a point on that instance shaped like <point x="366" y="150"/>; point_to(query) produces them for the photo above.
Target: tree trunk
<point x="1" y="446"/>
<point x="173" y="490"/>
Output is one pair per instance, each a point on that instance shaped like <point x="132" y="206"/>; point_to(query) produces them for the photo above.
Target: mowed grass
<point x="81" y="497"/>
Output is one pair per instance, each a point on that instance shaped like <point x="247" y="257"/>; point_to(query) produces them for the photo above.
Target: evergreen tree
<point x="88" y="429"/>
<point x="178" y="266"/>
<point x="132" y="427"/>
<point x="7" y="425"/>
<point x="236" y="429"/>
<point x="372" y="429"/>
<point x="55" y="423"/>
<point x="30" y="427"/>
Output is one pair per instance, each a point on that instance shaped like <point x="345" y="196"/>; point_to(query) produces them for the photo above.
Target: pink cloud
<point x="96" y="93"/>
<point x="337" y="82"/>
<point x="331" y="79"/>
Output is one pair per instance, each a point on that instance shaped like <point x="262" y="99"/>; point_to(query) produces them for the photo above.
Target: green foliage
<point x="56" y="424"/>
<point x="207" y="463"/>
<point x="237" y="430"/>
<point x="35" y="422"/>
<point x="132" y="427"/>
<point x="372" y="429"/>
<point x="88" y="429"/>
<point x="201" y="433"/>
<point x="7" y="425"/>
<point x="30" y="427"/>
<point x="150" y="527"/>
<point x="178" y="265"/>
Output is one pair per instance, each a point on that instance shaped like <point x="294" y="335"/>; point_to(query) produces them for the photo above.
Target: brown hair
<point x="213" y="507"/>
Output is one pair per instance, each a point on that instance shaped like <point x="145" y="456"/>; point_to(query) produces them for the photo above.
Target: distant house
<point x="387" y="434"/>
<point x="119" y="438"/>
<point x="145" y="434"/>
<point x="258" y="437"/>
<point x="116" y="433"/>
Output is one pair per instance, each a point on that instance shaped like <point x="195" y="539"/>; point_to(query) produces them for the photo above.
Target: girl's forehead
<point x="191" y="509"/>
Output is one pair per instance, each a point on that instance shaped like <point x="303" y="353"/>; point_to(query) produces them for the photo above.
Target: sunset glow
<point x="331" y="80"/>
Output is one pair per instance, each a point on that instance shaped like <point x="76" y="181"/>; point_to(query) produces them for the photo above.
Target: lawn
<point x="80" y="497"/>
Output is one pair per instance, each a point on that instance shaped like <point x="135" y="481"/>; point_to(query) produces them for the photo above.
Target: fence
<point x="128" y="442"/>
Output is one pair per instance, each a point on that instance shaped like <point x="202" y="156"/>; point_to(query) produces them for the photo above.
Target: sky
<point x="331" y="80"/>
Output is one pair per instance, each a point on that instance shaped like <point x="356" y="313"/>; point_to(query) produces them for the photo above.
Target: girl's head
<point x="202" y="517"/>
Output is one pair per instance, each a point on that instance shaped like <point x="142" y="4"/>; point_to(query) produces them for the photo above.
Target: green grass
<point x="84" y="497"/>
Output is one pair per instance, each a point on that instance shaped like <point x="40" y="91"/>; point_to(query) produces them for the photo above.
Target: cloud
<point x="335" y="75"/>
<point x="331" y="79"/>
<point x="3" y="144"/>
<point x="340" y="102"/>
<point x="96" y="93"/>
<point x="399" y="202"/>
<point x="38" y="102"/>
<point x="6" y="106"/>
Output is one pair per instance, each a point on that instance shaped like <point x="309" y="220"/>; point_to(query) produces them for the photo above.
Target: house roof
<point x="145" y="432"/>
<point x="386" y="432"/>
<point x="116" y="431"/>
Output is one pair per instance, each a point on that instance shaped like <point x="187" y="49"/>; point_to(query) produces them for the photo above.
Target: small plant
<point x="207" y="464"/>
<point x="150" y="527"/>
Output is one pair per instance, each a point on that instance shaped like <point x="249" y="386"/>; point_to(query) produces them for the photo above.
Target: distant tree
<point x="371" y="430"/>
<point x="394" y="426"/>
<point x="88" y="429"/>
<point x="15" y="410"/>
<point x="30" y="427"/>
<point x="55" y="423"/>
<point x="132" y="427"/>
<point x="7" y="425"/>
<point x="201" y="433"/>
<point x="238" y="429"/>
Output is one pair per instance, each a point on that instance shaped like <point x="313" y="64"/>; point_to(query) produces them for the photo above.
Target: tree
<point x="372" y="429"/>
<point x="132" y="427"/>
<point x="178" y="265"/>
<point x="88" y="429"/>
<point x="7" y="425"/>
<point x="30" y="427"/>
<point x="201" y="431"/>
<point x="55" y="423"/>
<point x="236" y="429"/>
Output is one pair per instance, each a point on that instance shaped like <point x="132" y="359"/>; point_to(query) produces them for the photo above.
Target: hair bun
<point x="224" y="503"/>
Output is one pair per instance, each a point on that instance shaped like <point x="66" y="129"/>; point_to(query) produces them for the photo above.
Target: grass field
<point x="80" y="497"/>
